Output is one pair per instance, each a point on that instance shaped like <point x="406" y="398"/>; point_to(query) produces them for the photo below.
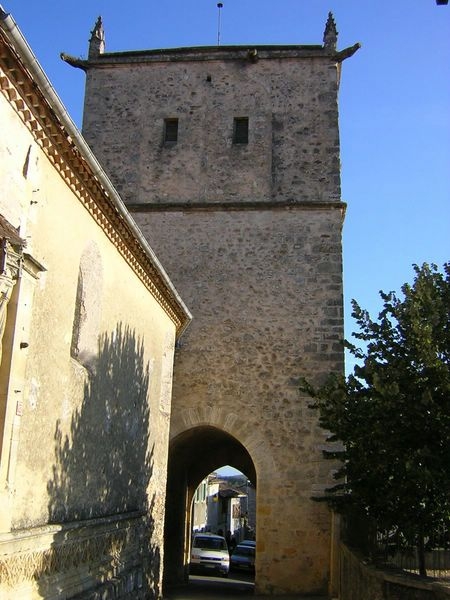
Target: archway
<point x="224" y="503"/>
<point x="194" y="454"/>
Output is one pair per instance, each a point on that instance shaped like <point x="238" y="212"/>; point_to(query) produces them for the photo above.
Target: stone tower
<point x="228" y="159"/>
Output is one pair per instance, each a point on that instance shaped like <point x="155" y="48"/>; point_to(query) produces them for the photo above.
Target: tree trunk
<point x="421" y="553"/>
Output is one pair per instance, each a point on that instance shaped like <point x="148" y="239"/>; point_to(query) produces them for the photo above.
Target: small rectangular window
<point x="170" y="130"/>
<point x="240" y="130"/>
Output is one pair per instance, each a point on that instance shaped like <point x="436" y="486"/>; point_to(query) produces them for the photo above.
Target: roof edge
<point x="246" y="52"/>
<point x="76" y="141"/>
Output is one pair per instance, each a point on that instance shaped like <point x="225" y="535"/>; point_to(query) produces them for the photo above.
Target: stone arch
<point x="230" y="423"/>
<point x="210" y="440"/>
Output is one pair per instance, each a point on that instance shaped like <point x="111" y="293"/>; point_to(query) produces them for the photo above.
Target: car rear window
<point x="210" y="543"/>
<point x="244" y="551"/>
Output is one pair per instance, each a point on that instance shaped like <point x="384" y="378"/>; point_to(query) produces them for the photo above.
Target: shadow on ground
<point x="216" y="588"/>
<point x="212" y="587"/>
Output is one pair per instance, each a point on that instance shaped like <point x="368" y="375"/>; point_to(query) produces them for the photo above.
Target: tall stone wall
<point x="265" y="287"/>
<point x="87" y="346"/>
<point x="250" y="233"/>
<point x="289" y="98"/>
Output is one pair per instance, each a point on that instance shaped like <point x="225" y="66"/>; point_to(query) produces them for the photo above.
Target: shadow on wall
<point x="103" y="466"/>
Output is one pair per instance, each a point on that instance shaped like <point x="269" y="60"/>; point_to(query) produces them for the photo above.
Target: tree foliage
<point x="392" y="414"/>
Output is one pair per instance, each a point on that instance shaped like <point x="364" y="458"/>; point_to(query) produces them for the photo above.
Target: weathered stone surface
<point x="293" y="149"/>
<point x="87" y="354"/>
<point x="362" y="581"/>
<point x="251" y="236"/>
<point x="261" y="306"/>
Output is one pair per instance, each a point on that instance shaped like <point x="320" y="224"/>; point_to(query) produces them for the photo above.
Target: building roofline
<point x="28" y="89"/>
<point x="98" y="58"/>
<point x="248" y="52"/>
<point x="224" y="49"/>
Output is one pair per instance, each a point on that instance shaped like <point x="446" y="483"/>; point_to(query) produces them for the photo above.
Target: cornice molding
<point x="251" y="53"/>
<point x="249" y="205"/>
<point x="32" y="106"/>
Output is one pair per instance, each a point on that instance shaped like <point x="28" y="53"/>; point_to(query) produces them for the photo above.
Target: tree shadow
<point x="103" y="468"/>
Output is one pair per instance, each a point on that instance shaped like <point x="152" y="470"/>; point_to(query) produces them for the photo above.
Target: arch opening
<point x="193" y="456"/>
<point x="225" y="503"/>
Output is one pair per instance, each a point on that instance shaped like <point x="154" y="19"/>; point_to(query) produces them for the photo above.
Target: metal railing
<point x="389" y="548"/>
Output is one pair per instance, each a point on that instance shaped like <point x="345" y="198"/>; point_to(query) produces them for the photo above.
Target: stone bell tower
<point x="228" y="159"/>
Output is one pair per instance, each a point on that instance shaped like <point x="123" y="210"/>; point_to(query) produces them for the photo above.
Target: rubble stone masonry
<point x="250" y="233"/>
<point x="289" y="98"/>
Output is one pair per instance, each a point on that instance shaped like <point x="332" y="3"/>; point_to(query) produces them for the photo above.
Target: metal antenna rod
<point x="219" y="6"/>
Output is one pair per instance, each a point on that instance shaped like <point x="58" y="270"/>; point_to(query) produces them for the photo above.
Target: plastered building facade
<point x="89" y="321"/>
<point x="228" y="158"/>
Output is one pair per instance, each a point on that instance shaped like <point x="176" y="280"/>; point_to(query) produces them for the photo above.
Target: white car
<point x="209" y="554"/>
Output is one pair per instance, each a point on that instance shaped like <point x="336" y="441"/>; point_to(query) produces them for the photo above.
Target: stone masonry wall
<point x="250" y="234"/>
<point x="360" y="581"/>
<point x="265" y="291"/>
<point x="293" y="149"/>
<point x="87" y="355"/>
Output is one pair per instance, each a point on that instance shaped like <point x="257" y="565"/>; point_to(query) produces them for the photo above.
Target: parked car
<point x="248" y="543"/>
<point x="209" y="554"/>
<point x="243" y="557"/>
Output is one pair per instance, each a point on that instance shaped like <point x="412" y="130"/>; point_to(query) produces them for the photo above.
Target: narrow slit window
<point x="170" y="130"/>
<point x="240" y="130"/>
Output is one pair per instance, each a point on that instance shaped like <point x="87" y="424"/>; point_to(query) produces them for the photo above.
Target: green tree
<point x="392" y="415"/>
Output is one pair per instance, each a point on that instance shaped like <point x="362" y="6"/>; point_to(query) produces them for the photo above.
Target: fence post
<point x="335" y="572"/>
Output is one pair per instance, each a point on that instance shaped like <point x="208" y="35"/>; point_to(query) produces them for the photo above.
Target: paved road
<point x="217" y="588"/>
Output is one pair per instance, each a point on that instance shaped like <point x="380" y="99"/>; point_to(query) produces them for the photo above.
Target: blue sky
<point x="394" y="105"/>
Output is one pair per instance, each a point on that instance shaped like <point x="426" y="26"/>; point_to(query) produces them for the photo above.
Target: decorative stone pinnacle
<point x="97" y="39"/>
<point x="98" y="32"/>
<point x="330" y="33"/>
